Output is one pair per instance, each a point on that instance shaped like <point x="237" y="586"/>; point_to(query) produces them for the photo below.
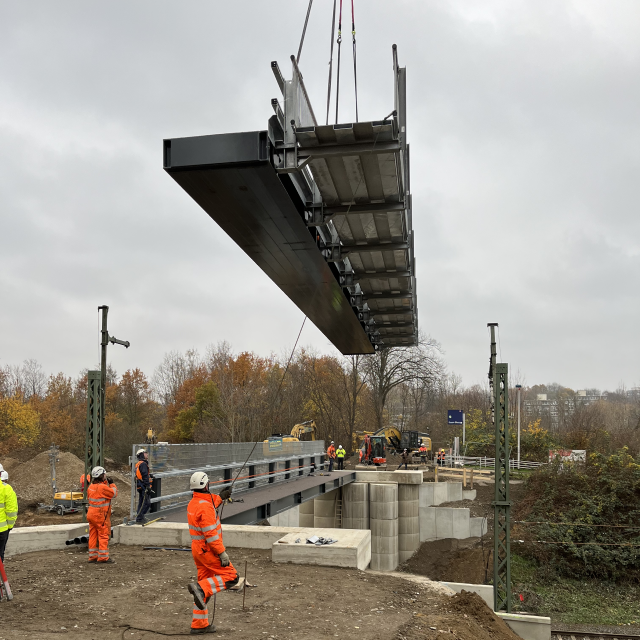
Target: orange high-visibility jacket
<point x="204" y="524"/>
<point x="100" y="495"/>
<point x="331" y="451"/>
<point x="84" y="479"/>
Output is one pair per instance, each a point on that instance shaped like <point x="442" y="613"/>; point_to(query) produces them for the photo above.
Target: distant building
<point x="554" y="410"/>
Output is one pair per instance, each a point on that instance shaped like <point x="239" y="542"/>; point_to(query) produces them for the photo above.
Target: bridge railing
<point x="268" y="462"/>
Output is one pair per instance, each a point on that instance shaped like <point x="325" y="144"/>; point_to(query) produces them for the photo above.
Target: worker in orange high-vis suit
<point x="215" y="571"/>
<point x="100" y="493"/>
<point x="82" y="481"/>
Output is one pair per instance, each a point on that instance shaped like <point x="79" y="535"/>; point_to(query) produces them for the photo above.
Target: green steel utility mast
<point x="96" y="386"/>
<point x="498" y="380"/>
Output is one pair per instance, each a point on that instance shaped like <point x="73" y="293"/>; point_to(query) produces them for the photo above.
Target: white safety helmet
<point x="4" y="476"/>
<point x="139" y="451"/>
<point x="96" y="472"/>
<point x="339" y="446"/>
<point x="1" y="468"/>
<point x="199" y="480"/>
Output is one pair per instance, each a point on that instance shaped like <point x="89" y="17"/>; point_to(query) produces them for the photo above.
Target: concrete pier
<point x="324" y="510"/>
<point x="306" y="514"/>
<point x="355" y="508"/>
<point x="383" y="505"/>
<point x="408" y="520"/>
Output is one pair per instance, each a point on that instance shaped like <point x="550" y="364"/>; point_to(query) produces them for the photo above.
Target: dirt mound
<point x="32" y="479"/>
<point x="452" y="560"/>
<point x="10" y="464"/>
<point x="465" y="616"/>
<point x="32" y="482"/>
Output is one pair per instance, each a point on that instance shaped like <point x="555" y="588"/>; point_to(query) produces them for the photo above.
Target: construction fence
<point x="267" y="463"/>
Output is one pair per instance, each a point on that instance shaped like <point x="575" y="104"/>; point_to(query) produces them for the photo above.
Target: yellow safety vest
<point x="341" y="453"/>
<point x="8" y="507"/>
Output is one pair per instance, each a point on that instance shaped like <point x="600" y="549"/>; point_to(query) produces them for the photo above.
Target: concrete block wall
<point x="324" y="510"/>
<point x="383" y="506"/>
<point x="435" y="493"/>
<point x="408" y="520"/>
<point x="305" y="514"/>
<point x="288" y="518"/>
<point x="355" y="505"/>
<point x="43" y="538"/>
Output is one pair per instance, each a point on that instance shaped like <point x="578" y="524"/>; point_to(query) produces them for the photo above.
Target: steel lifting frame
<point x="499" y="378"/>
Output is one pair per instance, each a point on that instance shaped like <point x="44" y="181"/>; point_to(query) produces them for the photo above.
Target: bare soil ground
<point x="144" y="595"/>
<point x="462" y="560"/>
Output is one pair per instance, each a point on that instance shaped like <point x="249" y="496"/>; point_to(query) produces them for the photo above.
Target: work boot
<point x="93" y="560"/>
<point x="142" y="520"/>
<point x="109" y="561"/>
<point x="210" y="629"/>
<point x="198" y="596"/>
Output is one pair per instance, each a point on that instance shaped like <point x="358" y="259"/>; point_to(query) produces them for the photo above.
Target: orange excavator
<point x="373" y="450"/>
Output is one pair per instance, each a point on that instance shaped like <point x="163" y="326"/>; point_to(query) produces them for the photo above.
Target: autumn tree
<point x="389" y="368"/>
<point x="19" y="424"/>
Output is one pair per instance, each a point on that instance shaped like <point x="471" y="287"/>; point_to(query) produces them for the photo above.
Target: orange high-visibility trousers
<point x="212" y="578"/>
<point x="99" y="534"/>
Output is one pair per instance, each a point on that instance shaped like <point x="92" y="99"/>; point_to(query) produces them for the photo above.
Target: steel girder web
<point x="502" y="504"/>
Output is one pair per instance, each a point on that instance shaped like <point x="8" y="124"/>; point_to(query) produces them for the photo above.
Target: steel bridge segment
<point x="269" y="501"/>
<point x="319" y="209"/>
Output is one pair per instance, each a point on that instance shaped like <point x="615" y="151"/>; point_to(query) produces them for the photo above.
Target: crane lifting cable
<point x="304" y="31"/>
<point x="355" y="73"/>
<point x="333" y="31"/>
<point x="339" y="42"/>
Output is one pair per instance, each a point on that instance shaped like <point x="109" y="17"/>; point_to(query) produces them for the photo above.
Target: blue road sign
<point x="454" y="416"/>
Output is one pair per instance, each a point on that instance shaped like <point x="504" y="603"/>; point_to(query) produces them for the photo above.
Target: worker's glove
<point x="109" y="480"/>
<point x="225" y="494"/>
<point x="224" y="559"/>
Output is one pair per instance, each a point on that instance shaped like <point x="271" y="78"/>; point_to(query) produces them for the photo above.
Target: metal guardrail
<point x="266" y="463"/>
<point x="489" y="463"/>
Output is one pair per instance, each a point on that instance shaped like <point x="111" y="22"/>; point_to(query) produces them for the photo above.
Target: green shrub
<point x="602" y="491"/>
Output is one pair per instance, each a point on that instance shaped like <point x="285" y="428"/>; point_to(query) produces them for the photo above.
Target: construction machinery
<point x="300" y="430"/>
<point x="373" y="450"/>
<point x="63" y="502"/>
<point x="151" y="437"/>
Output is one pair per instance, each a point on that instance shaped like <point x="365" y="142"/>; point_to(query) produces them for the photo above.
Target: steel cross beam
<point x="502" y="505"/>
<point x="333" y="150"/>
<point x="358" y="277"/>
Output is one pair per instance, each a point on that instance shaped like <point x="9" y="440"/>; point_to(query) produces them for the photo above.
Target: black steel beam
<point x="231" y="177"/>
<point x="266" y="509"/>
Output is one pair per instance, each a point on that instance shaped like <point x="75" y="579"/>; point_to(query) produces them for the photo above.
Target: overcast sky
<point x="524" y="125"/>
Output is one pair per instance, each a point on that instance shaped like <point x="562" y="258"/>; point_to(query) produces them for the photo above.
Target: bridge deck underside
<point x="365" y="192"/>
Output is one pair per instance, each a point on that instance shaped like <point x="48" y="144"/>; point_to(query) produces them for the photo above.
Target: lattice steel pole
<point x="93" y="454"/>
<point x="499" y="376"/>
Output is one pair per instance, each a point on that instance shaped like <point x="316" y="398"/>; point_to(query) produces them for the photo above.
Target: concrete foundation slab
<point x="305" y="514"/>
<point x="353" y="549"/>
<point x="528" y="627"/>
<point x="43" y="538"/>
<point x="485" y="591"/>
